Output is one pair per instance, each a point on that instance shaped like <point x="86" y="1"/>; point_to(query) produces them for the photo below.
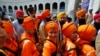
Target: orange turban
<point x="68" y="28"/>
<point x="61" y="14"/>
<point x="8" y="27"/>
<point x="28" y="24"/>
<point x="45" y="13"/>
<point x="51" y="25"/>
<point x="86" y="32"/>
<point x="80" y="13"/>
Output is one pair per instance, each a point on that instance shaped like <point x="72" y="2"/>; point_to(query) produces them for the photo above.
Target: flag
<point x="85" y="4"/>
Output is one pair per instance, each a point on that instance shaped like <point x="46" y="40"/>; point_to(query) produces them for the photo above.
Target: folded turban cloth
<point x="61" y="14"/>
<point x="80" y="13"/>
<point x="19" y="13"/>
<point x="45" y="13"/>
<point x="28" y="24"/>
<point x="8" y="27"/>
<point x="68" y="28"/>
<point x="97" y="16"/>
<point x="51" y="25"/>
<point x="86" y="32"/>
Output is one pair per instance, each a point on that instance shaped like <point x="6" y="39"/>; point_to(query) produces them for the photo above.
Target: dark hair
<point x="69" y="19"/>
<point x="30" y="10"/>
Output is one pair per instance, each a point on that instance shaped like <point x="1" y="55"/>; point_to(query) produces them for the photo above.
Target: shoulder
<point x="15" y="21"/>
<point x="87" y="47"/>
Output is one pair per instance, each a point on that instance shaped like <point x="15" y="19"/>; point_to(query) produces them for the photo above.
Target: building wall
<point x="27" y="3"/>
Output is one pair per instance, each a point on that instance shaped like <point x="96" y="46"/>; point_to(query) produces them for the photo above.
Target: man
<point x="97" y="22"/>
<point x="81" y="16"/>
<point x="46" y="18"/>
<point x="50" y="44"/>
<point x="31" y="15"/>
<point x="62" y="18"/>
<point x="86" y="34"/>
<point x="17" y="23"/>
<point x="27" y="41"/>
<point x="3" y="39"/>
<point x="11" y="46"/>
<point x="89" y="16"/>
<point x="70" y="35"/>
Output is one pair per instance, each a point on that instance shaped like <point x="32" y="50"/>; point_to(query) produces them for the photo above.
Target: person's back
<point x="28" y="42"/>
<point x="11" y="46"/>
<point x="86" y="33"/>
<point x="70" y="33"/>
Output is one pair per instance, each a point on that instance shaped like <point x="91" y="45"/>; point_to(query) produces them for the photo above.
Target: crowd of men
<point x="45" y="35"/>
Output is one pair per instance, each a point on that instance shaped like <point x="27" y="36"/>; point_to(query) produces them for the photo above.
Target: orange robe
<point x="70" y="48"/>
<point x="86" y="48"/>
<point x="12" y="45"/>
<point x="28" y="46"/>
<point x="49" y="48"/>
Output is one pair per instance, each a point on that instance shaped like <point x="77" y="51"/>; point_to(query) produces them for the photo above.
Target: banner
<point x="85" y="4"/>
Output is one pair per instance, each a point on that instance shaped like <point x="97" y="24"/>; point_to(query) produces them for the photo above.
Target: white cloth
<point x="18" y="28"/>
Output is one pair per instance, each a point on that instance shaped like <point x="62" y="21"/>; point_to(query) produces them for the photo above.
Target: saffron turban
<point x="80" y="13"/>
<point x="61" y="14"/>
<point x="45" y="13"/>
<point x="97" y="16"/>
<point x="52" y="25"/>
<point x="68" y="28"/>
<point x="28" y="24"/>
<point x="8" y="27"/>
<point x="19" y="13"/>
<point x="86" y="32"/>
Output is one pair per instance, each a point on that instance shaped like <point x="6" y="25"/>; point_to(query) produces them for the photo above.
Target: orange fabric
<point x="88" y="50"/>
<point x="87" y="32"/>
<point x="69" y="45"/>
<point x="28" y="46"/>
<point x="68" y="28"/>
<point x="48" y="49"/>
<point x="85" y="48"/>
<point x="33" y="24"/>
<point x="8" y="27"/>
<point x="45" y="13"/>
<point x="28" y="24"/>
<point x="52" y="25"/>
<point x="80" y="13"/>
<point x="13" y="46"/>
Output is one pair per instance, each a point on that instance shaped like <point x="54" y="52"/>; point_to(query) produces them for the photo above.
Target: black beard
<point x="82" y="21"/>
<point x="62" y="22"/>
<point x="97" y="26"/>
<point x="48" y="19"/>
<point x="20" y="21"/>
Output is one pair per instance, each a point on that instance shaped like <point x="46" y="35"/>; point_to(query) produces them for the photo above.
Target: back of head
<point x="28" y="23"/>
<point x="31" y="10"/>
<point x="80" y="13"/>
<point x="7" y="26"/>
<point x="86" y="32"/>
<point x="51" y="25"/>
<point x="68" y="28"/>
